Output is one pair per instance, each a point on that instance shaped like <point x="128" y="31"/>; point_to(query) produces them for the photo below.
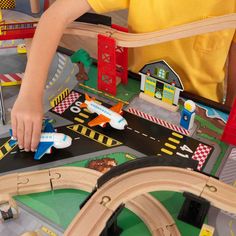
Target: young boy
<point x="200" y="61"/>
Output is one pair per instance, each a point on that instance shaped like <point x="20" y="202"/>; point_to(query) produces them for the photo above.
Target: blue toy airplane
<point x="49" y="138"/>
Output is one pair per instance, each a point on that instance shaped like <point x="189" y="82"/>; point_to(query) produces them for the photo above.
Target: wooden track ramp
<point x="131" y="184"/>
<point x="145" y="206"/>
<point x="131" y="40"/>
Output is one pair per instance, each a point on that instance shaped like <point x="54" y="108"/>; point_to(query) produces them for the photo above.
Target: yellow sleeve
<point x="102" y="6"/>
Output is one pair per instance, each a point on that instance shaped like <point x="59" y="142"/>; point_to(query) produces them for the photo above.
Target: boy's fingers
<point x="36" y="135"/>
<point x="20" y="133"/>
<point x="28" y="136"/>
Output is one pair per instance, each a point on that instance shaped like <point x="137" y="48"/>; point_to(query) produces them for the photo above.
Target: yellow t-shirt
<point x="199" y="60"/>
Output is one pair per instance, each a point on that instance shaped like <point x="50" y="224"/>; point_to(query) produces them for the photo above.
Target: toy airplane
<point x="49" y="138"/>
<point x="105" y="115"/>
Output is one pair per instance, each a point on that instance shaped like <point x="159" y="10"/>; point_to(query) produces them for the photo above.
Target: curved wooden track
<point x="122" y="189"/>
<point x="131" y="40"/>
<point x="129" y="185"/>
<point x="145" y="206"/>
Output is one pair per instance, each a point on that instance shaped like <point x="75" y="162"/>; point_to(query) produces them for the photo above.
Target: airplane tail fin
<point x="13" y="141"/>
<point x="48" y="128"/>
<point x="87" y="97"/>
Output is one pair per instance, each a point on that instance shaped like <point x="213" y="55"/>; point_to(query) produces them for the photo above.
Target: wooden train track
<point x="132" y="40"/>
<point x="144" y="39"/>
<point x="127" y="186"/>
<point x="145" y="206"/>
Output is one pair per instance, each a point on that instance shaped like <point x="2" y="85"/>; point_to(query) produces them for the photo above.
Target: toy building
<point x="160" y="84"/>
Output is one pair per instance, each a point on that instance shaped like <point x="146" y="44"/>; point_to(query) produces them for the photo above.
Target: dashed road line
<point x="83" y="115"/>
<point x="174" y="140"/>
<point x="170" y="146"/>
<point x="78" y="120"/>
<point x="166" y="151"/>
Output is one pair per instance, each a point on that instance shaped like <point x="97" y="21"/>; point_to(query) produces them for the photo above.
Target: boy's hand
<point x="27" y="112"/>
<point x="26" y="118"/>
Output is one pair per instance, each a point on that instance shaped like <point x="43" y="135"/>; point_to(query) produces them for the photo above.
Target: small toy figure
<point x="207" y="230"/>
<point x="188" y="115"/>
<point x="8" y="208"/>
<point x="21" y="48"/>
<point x="49" y="138"/>
<point x="102" y="165"/>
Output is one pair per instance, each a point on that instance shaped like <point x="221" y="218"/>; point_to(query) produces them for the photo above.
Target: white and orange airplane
<point x="105" y="115"/>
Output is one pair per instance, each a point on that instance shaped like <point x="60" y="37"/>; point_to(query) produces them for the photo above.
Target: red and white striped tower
<point x="112" y="62"/>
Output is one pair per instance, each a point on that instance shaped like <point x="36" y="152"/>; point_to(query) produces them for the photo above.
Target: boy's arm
<point x="27" y="112"/>
<point x="231" y="83"/>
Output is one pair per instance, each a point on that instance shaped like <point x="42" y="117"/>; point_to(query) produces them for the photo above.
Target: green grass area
<point x="92" y="74"/>
<point x="61" y="206"/>
<point x="208" y="124"/>
<point x="124" y="92"/>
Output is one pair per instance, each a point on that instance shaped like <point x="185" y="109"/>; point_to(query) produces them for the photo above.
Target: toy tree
<point x="84" y="61"/>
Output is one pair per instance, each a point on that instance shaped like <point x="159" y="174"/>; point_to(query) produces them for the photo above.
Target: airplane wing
<point x="87" y="97"/>
<point x="42" y="149"/>
<point x="99" y="120"/>
<point x="117" y="108"/>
